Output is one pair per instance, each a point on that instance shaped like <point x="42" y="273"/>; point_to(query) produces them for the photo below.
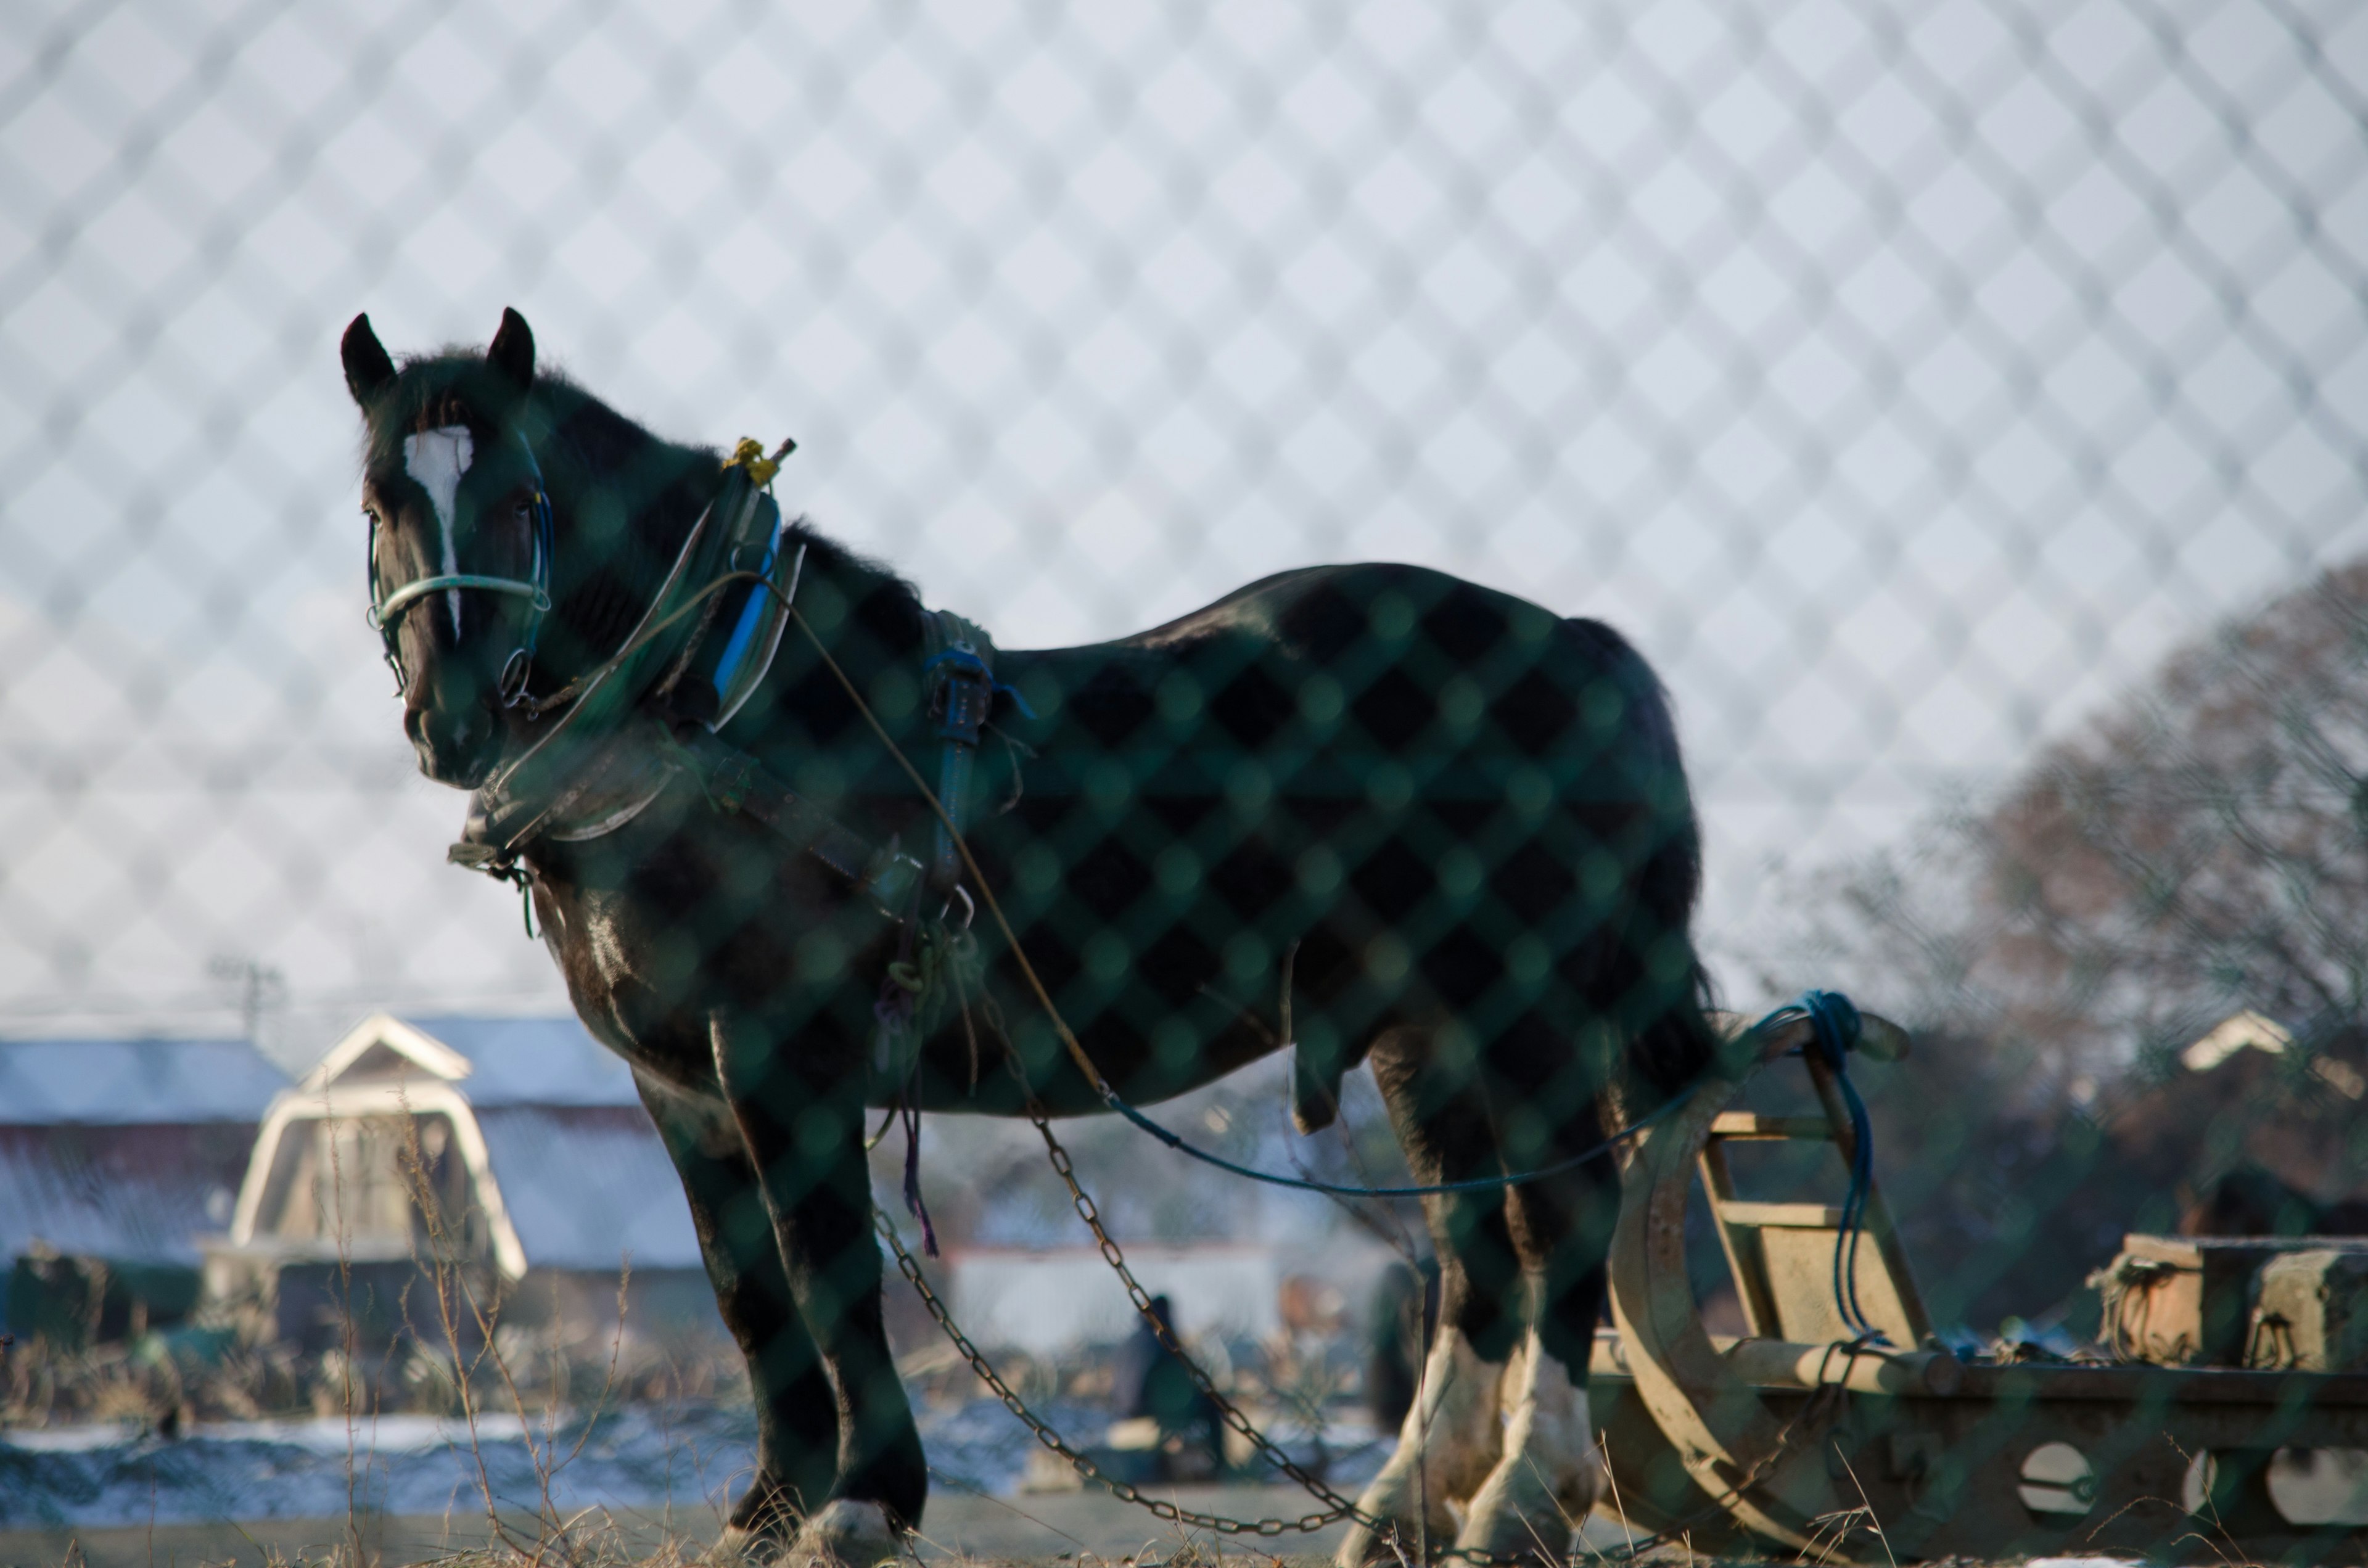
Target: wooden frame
<point x="1802" y="1445"/>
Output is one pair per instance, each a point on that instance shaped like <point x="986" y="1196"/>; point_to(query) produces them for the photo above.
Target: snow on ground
<point x="639" y="1457"/>
<point x="398" y="1464"/>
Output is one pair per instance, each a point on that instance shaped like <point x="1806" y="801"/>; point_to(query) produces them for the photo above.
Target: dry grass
<point x="144" y="1383"/>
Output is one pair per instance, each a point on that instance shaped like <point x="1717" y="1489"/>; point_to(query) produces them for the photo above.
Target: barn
<point x="523" y="1136"/>
<point x="115" y="1157"/>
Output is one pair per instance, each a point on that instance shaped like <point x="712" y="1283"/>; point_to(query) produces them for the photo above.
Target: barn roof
<point x="494" y="1062"/>
<point x="119" y="1082"/>
<point x="584" y="1188"/>
<point x="124" y="1192"/>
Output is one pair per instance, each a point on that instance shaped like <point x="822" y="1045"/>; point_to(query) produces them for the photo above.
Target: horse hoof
<point x="846" y="1533"/>
<point x="1446" y="1450"/>
<point x="1550" y="1475"/>
<point x="759" y="1528"/>
<point x="1517" y="1515"/>
<point x="738" y="1548"/>
<point x="1362" y="1548"/>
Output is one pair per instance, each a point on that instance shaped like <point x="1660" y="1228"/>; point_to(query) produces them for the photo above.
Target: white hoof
<point x="1445" y="1451"/>
<point x="742" y="1548"/>
<point x="846" y="1533"/>
<point x="1550" y="1474"/>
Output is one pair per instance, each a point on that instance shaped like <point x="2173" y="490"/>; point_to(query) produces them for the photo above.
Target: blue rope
<point x="1809" y="1004"/>
<point x="1834" y="1029"/>
<point x="1477" y="1184"/>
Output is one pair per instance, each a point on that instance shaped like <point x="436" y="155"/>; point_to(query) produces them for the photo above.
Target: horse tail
<point x="1648" y="979"/>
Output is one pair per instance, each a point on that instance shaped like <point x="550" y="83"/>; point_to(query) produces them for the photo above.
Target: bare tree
<point x="2197" y="849"/>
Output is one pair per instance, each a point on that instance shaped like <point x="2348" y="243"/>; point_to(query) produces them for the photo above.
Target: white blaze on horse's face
<point x="435" y="460"/>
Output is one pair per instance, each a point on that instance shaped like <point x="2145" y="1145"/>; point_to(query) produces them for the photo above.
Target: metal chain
<point x="1339" y="1507"/>
<point x="1813" y="1413"/>
<point x="1231" y="1415"/>
<point x="1083" y="1464"/>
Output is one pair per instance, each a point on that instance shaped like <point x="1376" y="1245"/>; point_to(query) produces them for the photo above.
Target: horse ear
<point x="367" y="369"/>
<point x="513" y="350"/>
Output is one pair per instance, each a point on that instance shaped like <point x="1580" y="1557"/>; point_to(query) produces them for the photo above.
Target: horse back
<point x="1304" y="674"/>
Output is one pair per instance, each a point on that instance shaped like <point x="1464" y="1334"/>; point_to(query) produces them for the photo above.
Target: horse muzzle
<point x="458" y="745"/>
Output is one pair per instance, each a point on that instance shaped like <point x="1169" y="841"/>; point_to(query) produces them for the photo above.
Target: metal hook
<point x="515" y="671"/>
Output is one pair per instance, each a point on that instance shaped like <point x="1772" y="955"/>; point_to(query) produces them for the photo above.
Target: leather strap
<point x="736" y="783"/>
<point x="961" y="662"/>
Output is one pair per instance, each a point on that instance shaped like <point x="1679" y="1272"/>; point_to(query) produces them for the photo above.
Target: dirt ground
<point x="1072" y="1526"/>
<point x="1061" y="1529"/>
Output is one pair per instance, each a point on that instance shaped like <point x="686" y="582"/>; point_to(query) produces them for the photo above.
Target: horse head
<point x="460" y="547"/>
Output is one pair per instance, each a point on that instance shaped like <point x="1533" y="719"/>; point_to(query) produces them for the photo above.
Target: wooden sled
<point x="1789" y="1439"/>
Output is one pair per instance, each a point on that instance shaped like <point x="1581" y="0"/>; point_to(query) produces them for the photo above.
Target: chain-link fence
<point x="1960" y="406"/>
<point x="1904" y="380"/>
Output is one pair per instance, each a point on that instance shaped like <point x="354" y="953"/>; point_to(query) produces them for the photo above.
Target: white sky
<point x="1903" y="378"/>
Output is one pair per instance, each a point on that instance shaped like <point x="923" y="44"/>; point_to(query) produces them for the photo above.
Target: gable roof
<point x="494" y="1062"/>
<point x="120" y="1083"/>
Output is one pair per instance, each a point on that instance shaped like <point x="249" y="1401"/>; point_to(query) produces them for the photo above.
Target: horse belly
<point x="610" y="970"/>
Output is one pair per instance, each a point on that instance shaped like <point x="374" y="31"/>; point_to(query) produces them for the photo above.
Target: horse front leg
<point x="797" y="1413"/>
<point x="800" y="1112"/>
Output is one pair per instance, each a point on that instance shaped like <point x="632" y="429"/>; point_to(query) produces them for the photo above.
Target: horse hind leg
<point x="1446" y="1450"/>
<point x="1550" y="1474"/>
<point x="1452" y="1436"/>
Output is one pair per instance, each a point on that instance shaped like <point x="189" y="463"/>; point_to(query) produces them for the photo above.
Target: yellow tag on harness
<point x="750" y="454"/>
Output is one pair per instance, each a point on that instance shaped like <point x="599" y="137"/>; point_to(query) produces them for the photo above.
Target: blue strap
<point x="970" y="664"/>
<point x="751" y="617"/>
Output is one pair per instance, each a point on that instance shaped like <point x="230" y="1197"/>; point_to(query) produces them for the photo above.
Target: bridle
<point x="385" y="613"/>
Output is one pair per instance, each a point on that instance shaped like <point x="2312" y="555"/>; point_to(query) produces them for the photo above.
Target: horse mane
<point x="826" y="554"/>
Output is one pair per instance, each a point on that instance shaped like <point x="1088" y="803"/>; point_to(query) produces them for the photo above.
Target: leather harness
<point x="650" y="714"/>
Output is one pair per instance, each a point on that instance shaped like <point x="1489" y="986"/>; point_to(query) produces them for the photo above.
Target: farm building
<point x="1053" y="1301"/>
<point x="115" y="1157"/>
<point x="523" y="1137"/>
<point x="1045" y="1300"/>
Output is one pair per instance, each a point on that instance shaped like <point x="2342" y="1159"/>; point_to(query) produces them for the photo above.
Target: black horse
<point x="1369" y="812"/>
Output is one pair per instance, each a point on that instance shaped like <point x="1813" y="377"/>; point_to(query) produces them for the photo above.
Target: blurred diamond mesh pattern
<point x="1905" y="378"/>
